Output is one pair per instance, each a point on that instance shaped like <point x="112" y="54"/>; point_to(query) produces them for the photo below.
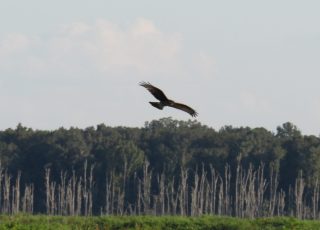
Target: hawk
<point x="164" y="101"/>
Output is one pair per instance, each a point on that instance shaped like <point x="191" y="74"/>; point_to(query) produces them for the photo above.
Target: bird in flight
<point x="164" y="101"/>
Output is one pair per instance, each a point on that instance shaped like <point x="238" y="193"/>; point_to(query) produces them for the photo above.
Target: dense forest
<point x="166" y="167"/>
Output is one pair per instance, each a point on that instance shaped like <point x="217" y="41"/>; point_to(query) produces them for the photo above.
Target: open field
<point x="151" y="222"/>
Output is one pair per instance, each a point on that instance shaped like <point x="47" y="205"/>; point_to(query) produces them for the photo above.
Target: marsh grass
<point x="152" y="222"/>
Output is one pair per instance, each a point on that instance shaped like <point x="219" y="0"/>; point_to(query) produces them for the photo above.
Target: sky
<point x="78" y="63"/>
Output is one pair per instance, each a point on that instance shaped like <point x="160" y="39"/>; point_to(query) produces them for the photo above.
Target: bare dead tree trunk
<point x="250" y="197"/>
<point x="108" y="194"/>
<point x="201" y="192"/>
<point x="6" y="193"/>
<point x="147" y="175"/>
<point x="69" y="197"/>
<point x="161" y="197"/>
<point x="91" y="183"/>
<point x="62" y="208"/>
<point x="48" y="193"/>
<point x="194" y="195"/>
<point x="173" y="197"/>
<point x="298" y="193"/>
<point x="183" y="192"/>
<point x="227" y="198"/>
<point x="120" y="201"/>
<point x="291" y="202"/>
<point x="124" y="179"/>
<point x="262" y="186"/>
<point x="140" y="198"/>
<point x="246" y="192"/>
<point x="79" y="197"/>
<point x="237" y="194"/>
<point x="27" y="200"/>
<point x="16" y="195"/>
<point x="281" y="203"/>
<point x="213" y="189"/>
<point x="273" y="187"/>
<point x="18" y="192"/>
<point x="1" y="185"/>
<point x="85" y="189"/>
<point x="53" y="204"/>
<point x="72" y="193"/>
<point x="315" y="200"/>
<point x="220" y="196"/>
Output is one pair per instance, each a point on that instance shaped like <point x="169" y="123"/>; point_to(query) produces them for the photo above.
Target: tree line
<point x="166" y="167"/>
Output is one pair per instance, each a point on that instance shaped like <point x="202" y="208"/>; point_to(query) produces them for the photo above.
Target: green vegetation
<point x="152" y="222"/>
<point x="168" y="167"/>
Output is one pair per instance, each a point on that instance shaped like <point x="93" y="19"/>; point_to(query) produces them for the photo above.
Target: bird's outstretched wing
<point x="185" y="108"/>
<point x="157" y="93"/>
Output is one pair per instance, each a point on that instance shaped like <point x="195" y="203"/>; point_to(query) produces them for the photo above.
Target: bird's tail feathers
<point x="158" y="105"/>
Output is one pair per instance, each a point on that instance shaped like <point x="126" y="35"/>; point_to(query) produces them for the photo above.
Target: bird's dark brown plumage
<point x="164" y="101"/>
<point x="156" y="92"/>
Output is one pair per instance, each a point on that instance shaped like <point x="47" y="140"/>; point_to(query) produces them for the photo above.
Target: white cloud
<point x="14" y="49"/>
<point x="99" y="48"/>
<point x="106" y="51"/>
<point x="142" y="48"/>
<point x="13" y="43"/>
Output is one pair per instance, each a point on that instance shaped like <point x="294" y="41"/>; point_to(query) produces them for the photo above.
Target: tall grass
<point x="152" y="222"/>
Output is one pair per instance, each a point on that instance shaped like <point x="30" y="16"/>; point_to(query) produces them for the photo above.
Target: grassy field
<point x="151" y="222"/>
